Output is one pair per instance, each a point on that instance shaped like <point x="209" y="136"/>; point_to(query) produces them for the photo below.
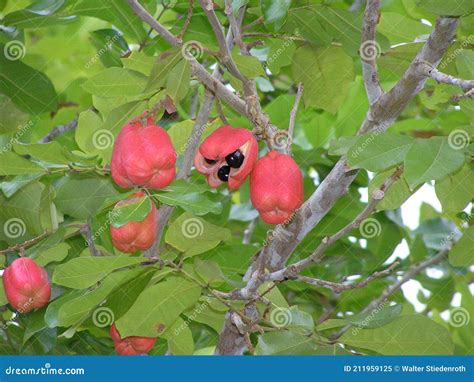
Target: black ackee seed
<point x="223" y="173"/>
<point x="235" y="159"/>
<point x="210" y="161"/>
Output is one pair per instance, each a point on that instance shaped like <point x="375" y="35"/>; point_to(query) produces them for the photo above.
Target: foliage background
<point x="83" y="68"/>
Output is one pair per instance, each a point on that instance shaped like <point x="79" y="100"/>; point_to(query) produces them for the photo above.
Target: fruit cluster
<point x="143" y="156"/>
<point x="230" y="154"/>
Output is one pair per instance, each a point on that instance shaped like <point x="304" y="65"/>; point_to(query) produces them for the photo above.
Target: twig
<point x="430" y="71"/>
<point x="24" y="245"/>
<point x="220" y="112"/>
<point x="225" y="53"/>
<point x="58" y="130"/>
<point x="294" y="110"/>
<point x="369" y="51"/>
<point x="356" y="6"/>
<point x="339" y="287"/>
<point x="187" y="21"/>
<point x="86" y="231"/>
<point x="458" y="97"/>
<point x="234" y="25"/>
<point x="249" y="231"/>
<point x="390" y="290"/>
<point x="254" y="23"/>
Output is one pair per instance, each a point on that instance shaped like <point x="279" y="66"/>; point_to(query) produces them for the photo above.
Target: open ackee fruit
<point x="227" y="156"/>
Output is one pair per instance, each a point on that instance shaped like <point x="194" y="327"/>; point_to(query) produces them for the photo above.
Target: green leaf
<point x="193" y="202"/>
<point x="165" y="64"/>
<point x="178" y="82"/>
<point x="444" y="8"/>
<point x="83" y="272"/>
<point x="115" y="82"/>
<point x="285" y="343"/>
<point x="82" y="197"/>
<point x="193" y="235"/>
<point x="275" y="11"/>
<point x="208" y="271"/>
<point x="12" y="164"/>
<point x="326" y="75"/>
<point x="249" y="66"/>
<point x="125" y="295"/>
<point x="376" y="318"/>
<point x="53" y="254"/>
<point x="406" y="335"/>
<point x="378" y="152"/>
<point x="401" y="29"/>
<point x="9" y="188"/>
<point x="51" y="152"/>
<point x="431" y="159"/>
<point x="36" y="98"/>
<point x="461" y="254"/>
<point x="27" y="214"/>
<point x="456" y="190"/>
<point x="135" y="209"/>
<point x="280" y="54"/>
<point x="110" y="46"/>
<point x="80" y="308"/>
<point x="342" y="145"/>
<point x="158" y="307"/>
<point x="12" y="117"/>
<point x="116" y="12"/>
<point x="180" y="338"/>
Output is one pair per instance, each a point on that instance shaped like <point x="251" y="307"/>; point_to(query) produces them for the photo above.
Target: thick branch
<point x="390" y="290"/>
<point x="369" y="51"/>
<point x="443" y="78"/>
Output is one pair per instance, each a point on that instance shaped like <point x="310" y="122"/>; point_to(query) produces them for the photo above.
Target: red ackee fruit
<point x="135" y="235"/>
<point x="227" y="155"/>
<point x="26" y="285"/>
<point x="143" y="156"/>
<point x="276" y="187"/>
<point x="131" y="345"/>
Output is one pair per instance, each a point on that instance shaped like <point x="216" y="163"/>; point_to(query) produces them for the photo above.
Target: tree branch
<point x="225" y="53"/>
<point x="390" y="290"/>
<point x="443" y="78"/>
<point x="383" y="113"/>
<point x="339" y="287"/>
<point x="369" y="51"/>
<point x="294" y="110"/>
<point x="58" y="130"/>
